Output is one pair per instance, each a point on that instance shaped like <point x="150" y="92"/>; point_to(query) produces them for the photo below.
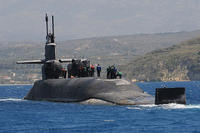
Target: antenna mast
<point x="53" y="37"/>
<point x="46" y="19"/>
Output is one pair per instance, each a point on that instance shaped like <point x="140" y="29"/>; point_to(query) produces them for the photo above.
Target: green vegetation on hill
<point x="106" y="51"/>
<point x="176" y="63"/>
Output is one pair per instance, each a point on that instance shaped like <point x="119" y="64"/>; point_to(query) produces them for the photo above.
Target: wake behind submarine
<point x="55" y="87"/>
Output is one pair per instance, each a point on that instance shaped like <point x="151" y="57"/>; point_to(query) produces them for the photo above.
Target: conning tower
<point x="50" y="47"/>
<point x="51" y="68"/>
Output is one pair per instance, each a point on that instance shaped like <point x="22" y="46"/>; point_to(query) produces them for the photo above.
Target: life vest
<point x="92" y="67"/>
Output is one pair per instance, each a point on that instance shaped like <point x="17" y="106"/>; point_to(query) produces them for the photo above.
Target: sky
<point x="74" y="19"/>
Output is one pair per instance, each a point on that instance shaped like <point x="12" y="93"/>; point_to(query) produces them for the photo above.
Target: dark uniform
<point x="98" y="70"/>
<point x="109" y="72"/>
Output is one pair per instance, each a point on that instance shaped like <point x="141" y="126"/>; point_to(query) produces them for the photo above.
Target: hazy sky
<point x="24" y="19"/>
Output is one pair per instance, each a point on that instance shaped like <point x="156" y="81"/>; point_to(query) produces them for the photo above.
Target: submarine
<point x="55" y="86"/>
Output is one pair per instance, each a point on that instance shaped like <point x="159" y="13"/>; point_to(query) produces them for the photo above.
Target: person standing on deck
<point x="92" y="70"/>
<point x="98" y="70"/>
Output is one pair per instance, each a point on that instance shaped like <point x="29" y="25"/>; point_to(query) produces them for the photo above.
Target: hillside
<point x="117" y="50"/>
<point x="176" y="63"/>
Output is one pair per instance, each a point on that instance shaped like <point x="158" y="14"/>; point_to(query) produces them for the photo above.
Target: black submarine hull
<point x="116" y="91"/>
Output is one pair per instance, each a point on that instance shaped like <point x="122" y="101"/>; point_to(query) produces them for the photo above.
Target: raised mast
<point x="50" y="47"/>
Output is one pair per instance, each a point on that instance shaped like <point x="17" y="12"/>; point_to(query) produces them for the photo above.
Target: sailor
<point x="109" y="72"/>
<point x="49" y="38"/>
<point x="84" y="72"/>
<point x="64" y="72"/>
<point x="119" y="74"/>
<point x="92" y="70"/>
<point x="113" y="70"/>
<point x="98" y="70"/>
<point x="73" y="68"/>
<point x="80" y="71"/>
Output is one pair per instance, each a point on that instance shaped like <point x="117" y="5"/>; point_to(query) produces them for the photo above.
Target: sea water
<point x="22" y="116"/>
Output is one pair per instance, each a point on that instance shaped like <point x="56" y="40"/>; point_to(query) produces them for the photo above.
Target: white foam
<point x="149" y="105"/>
<point x="14" y="84"/>
<point x="136" y="108"/>
<point x="165" y="106"/>
<point x="10" y="99"/>
<point x="180" y="106"/>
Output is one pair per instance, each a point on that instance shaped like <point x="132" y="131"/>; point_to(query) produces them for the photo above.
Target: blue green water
<point x="21" y="116"/>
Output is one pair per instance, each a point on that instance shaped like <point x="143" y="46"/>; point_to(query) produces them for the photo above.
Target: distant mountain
<point x="176" y="63"/>
<point x="106" y="51"/>
<point x="105" y="47"/>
